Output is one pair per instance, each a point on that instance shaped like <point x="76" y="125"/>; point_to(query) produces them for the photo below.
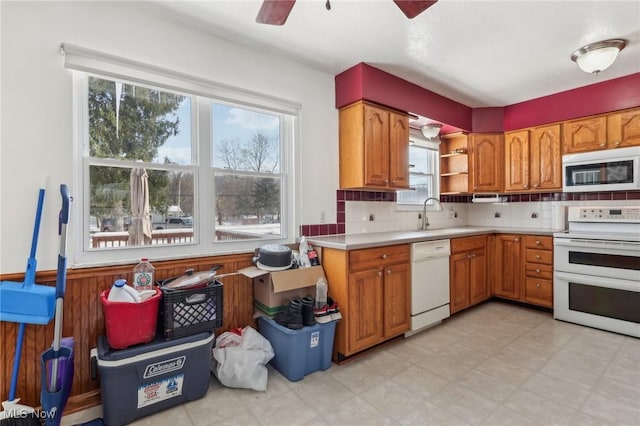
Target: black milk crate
<point x="192" y="310"/>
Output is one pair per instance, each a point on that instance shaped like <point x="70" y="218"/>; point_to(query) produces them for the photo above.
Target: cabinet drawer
<point x="461" y="245"/>
<point x="539" y="270"/>
<point x="379" y="256"/>
<point x="539" y="292"/>
<point x="539" y="256"/>
<point x="539" y="242"/>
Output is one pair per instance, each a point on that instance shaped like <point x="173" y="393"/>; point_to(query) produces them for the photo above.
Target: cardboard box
<point x="271" y="289"/>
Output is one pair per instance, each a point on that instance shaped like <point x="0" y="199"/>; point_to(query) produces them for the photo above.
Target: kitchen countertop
<point x="378" y="239"/>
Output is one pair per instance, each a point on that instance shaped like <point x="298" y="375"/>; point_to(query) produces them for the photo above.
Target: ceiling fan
<point x="276" y="12"/>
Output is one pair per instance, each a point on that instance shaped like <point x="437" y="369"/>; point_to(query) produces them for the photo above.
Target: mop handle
<point x="61" y="278"/>
<point x="30" y="274"/>
<point x="63" y="220"/>
<point x="16" y="362"/>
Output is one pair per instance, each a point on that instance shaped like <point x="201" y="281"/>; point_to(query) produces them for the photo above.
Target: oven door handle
<point x="596" y="281"/>
<point x="603" y="244"/>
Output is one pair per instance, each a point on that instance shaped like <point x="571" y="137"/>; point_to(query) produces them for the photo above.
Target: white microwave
<point x="606" y="170"/>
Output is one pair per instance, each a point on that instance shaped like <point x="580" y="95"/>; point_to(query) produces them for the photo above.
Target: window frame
<point x="203" y="93"/>
<point x="417" y="139"/>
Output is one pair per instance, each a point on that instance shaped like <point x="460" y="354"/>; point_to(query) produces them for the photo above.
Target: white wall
<point x="36" y="104"/>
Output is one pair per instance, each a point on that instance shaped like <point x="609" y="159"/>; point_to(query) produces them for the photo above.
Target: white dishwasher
<point x="429" y="283"/>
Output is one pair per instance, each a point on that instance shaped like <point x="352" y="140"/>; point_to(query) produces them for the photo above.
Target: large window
<point x="164" y="167"/>
<point x="423" y="172"/>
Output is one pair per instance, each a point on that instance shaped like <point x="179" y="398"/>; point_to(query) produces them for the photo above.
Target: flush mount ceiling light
<point x="430" y="131"/>
<point x="598" y="56"/>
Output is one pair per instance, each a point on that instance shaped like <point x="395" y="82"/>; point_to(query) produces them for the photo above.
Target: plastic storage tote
<point x="128" y="323"/>
<point x="191" y="310"/>
<point x="299" y="352"/>
<point x="143" y="380"/>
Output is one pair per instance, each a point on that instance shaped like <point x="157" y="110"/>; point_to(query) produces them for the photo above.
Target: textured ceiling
<point x="479" y="53"/>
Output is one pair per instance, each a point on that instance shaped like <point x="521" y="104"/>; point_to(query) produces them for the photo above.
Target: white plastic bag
<point x="241" y="359"/>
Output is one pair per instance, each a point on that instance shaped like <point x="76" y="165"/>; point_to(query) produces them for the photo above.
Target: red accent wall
<point x="366" y="82"/>
<point x="611" y="95"/>
<point x="363" y="81"/>
<point x="487" y="119"/>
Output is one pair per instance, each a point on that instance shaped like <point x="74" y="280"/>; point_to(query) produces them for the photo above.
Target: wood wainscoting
<point x="84" y="321"/>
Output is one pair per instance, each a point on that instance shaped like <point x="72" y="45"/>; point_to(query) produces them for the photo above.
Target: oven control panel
<point x="604" y="214"/>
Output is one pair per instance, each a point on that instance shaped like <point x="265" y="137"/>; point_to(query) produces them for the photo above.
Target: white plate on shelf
<point x="273" y="268"/>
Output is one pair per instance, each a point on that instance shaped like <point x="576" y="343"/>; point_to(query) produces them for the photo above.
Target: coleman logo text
<point x="158" y="368"/>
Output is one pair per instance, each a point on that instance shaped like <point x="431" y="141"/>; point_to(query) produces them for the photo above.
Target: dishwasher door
<point x="429" y="283"/>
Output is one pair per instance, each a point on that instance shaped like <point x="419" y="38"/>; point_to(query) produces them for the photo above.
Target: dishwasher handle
<point x="430" y="249"/>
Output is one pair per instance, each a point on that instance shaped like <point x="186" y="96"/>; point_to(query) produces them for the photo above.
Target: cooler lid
<point x="157" y="347"/>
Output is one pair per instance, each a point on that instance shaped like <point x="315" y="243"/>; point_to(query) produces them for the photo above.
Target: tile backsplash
<point x="370" y="211"/>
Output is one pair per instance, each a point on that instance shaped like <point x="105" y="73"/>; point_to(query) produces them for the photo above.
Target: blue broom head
<point x="34" y="304"/>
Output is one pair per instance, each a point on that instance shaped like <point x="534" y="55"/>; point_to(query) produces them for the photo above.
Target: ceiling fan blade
<point x="274" y="12"/>
<point x="413" y="8"/>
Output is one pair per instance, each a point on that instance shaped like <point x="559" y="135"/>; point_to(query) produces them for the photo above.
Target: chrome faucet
<point x="425" y="220"/>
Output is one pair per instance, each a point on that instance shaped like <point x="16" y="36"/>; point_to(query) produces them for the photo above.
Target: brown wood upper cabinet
<point x="374" y="147"/>
<point x="614" y="130"/>
<point x="532" y="160"/>
<point x="623" y="128"/>
<point x="486" y="162"/>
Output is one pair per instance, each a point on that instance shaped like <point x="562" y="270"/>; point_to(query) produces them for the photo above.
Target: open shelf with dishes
<point x="454" y="163"/>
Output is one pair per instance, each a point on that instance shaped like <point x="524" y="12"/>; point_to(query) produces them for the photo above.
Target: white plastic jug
<point x="121" y="292"/>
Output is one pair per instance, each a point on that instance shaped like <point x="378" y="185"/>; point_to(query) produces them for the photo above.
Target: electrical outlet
<point x="323" y="216"/>
<point x="372" y="217"/>
<point x="497" y="214"/>
<point x="534" y="215"/>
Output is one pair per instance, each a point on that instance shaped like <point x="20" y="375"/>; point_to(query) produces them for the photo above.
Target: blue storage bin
<point x="299" y="352"/>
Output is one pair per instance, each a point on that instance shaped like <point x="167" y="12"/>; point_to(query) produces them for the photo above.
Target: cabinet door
<point x="508" y="278"/>
<point x="487" y="162"/>
<point x="398" y="150"/>
<point x="623" y="129"/>
<point x="397" y="299"/>
<point x="587" y="134"/>
<point x="516" y="161"/>
<point x="376" y="146"/>
<point x="365" y="314"/>
<point x="478" y="277"/>
<point x="459" y="269"/>
<point x="546" y="159"/>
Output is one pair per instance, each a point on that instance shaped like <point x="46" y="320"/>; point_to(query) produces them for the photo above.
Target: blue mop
<point x="25" y="303"/>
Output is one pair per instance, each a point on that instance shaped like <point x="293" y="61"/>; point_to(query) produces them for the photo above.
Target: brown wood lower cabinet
<point x="468" y="272"/>
<point x="523" y="268"/>
<point x="373" y="289"/>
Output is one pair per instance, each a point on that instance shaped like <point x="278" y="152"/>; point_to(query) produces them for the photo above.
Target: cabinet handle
<point x="386" y="181"/>
<point x="468" y="255"/>
<point x="617" y="143"/>
<point x="537" y="271"/>
<point x="393" y="182"/>
<point x="516" y="240"/>
<point x="536" y="186"/>
<point x="475" y="187"/>
<point x="388" y="271"/>
<point x="537" y="242"/>
<point x="384" y="256"/>
<point x="603" y="144"/>
<point x="537" y="256"/>
<point x="379" y="273"/>
<point x="526" y="186"/>
<point x="538" y="285"/>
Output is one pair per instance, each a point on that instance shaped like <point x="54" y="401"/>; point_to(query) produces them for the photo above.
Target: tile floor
<point x="495" y="364"/>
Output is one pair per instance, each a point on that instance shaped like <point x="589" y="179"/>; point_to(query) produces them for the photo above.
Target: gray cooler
<point x="145" y="379"/>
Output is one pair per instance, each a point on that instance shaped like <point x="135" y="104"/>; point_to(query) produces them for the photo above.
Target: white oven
<point x="605" y="170"/>
<point x="597" y="269"/>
